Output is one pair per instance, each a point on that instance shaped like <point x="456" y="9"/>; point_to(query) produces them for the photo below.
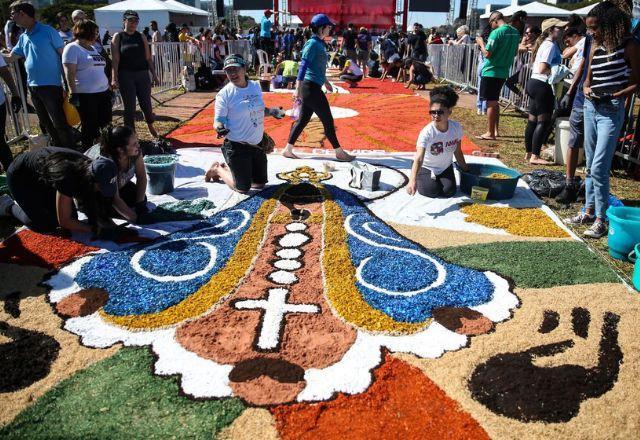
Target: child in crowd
<point x="352" y="73"/>
<point x="432" y="173"/>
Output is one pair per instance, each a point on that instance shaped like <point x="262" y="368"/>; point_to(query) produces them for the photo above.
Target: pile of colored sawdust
<point x="498" y="176"/>
<point x="383" y="123"/>
<point x="183" y="210"/>
<point x="534" y="264"/>
<point x="42" y="250"/>
<point x="527" y="222"/>
<point x="374" y="85"/>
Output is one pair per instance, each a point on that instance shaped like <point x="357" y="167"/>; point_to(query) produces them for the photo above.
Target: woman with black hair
<point x="84" y="70"/>
<point x="120" y="146"/>
<point x="311" y="77"/>
<point x="432" y="172"/>
<point x="613" y="75"/>
<point x="45" y="182"/>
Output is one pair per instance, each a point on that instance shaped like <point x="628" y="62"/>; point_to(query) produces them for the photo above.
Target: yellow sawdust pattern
<point x="525" y="222"/>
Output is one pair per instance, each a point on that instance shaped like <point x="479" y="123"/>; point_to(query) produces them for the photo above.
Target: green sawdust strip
<point x="182" y="210"/>
<point x="534" y="264"/>
<point x="120" y="398"/>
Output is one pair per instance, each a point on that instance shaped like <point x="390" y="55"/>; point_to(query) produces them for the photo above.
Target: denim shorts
<point x="576" y="128"/>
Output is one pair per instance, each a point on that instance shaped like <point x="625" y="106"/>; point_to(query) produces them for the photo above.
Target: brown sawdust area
<point x="253" y="423"/>
<point x="433" y="238"/>
<point x="36" y="314"/>
<point x="616" y="414"/>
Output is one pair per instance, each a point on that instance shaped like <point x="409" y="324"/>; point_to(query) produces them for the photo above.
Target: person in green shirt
<point x="499" y="52"/>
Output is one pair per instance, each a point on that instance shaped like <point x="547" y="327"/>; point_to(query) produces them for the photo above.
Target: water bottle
<point x="295" y="111"/>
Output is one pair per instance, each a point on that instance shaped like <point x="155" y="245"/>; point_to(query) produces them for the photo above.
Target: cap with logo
<point x="105" y="174"/>
<point x="130" y="14"/>
<point x="552" y="22"/>
<point x="234" y="60"/>
<point x="321" y="20"/>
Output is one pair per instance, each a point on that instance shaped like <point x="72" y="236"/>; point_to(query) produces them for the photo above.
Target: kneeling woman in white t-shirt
<point x="239" y="116"/>
<point x="432" y="172"/>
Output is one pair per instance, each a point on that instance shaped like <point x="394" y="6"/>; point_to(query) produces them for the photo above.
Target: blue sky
<point x="426" y="18"/>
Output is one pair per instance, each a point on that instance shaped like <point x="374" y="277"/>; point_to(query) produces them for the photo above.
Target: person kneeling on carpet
<point x="432" y="173"/>
<point x="46" y="182"/>
<point x="120" y="145"/>
<point x="352" y="73"/>
<point x="239" y="117"/>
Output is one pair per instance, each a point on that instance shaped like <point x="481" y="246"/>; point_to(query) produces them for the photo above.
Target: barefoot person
<point x="239" y="116"/>
<point x="432" y="172"/>
<point x="311" y="77"/>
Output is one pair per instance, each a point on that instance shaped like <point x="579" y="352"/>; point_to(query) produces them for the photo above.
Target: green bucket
<point x="633" y="256"/>
<point x="161" y="173"/>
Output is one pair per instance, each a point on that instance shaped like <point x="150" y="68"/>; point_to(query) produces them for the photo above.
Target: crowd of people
<point x="603" y="71"/>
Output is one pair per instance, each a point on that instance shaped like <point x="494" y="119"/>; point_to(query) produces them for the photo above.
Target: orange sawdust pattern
<point x="30" y="248"/>
<point x="374" y="85"/>
<point x="402" y="403"/>
<point x="384" y="123"/>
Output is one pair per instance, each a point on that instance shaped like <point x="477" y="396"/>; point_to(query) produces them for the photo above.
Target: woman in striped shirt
<point x="614" y="74"/>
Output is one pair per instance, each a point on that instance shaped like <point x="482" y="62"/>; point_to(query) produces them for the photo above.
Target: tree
<point x="48" y="14"/>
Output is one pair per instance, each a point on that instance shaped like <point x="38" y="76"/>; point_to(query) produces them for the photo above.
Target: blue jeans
<point x="480" y="103"/>
<point x="602" y="124"/>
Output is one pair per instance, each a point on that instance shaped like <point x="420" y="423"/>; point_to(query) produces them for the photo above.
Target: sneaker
<point x="597" y="230"/>
<point x="569" y="194"/>
<point x="6" y="202"/>
<point x="581" y="218"/>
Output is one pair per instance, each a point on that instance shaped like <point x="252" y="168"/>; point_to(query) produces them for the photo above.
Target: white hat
<point x="553" y="22"/>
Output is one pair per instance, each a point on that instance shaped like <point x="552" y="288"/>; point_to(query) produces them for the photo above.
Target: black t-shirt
<point x="30" y="164"/>
<point x="420" y="69"/>
<point x="349" y="39"/>
<point x="419" y="43"/>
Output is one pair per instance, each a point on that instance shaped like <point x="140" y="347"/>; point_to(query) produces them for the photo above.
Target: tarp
<point x="110" y="17"/>
<point x="535" y="9"/>
<point x="369" y="13"/>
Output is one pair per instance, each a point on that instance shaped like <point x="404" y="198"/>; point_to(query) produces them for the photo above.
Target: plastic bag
<point x="295" y="110"/>
<point x="545" y="183"/>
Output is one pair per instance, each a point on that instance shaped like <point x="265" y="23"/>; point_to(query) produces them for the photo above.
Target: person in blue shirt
<point x="41" y="47"/>
<point x="309" y="95"/>
<point x="288" y="41"/>
<point x="266" y="43"/>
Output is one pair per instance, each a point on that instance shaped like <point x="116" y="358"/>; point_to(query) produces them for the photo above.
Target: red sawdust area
<point x="30" y="248"/>
<point x="374" y="85"/>
<point x="384" y="123"/>
<point x="401" y="403"/>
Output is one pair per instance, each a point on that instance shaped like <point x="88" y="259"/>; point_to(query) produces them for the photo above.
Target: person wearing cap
<point x="500" y="50"/>
<point x="45" y="182"/>
<point x="40" y="46"/>
<point x="546" y="54"/>
<point x="311" y="77"/>
<point x="132" y="63"/>
<point x="119" y="144"/>
<point x="239" y="116"/>
<point x="78" y="15"/>
<point x="266" y="43"/>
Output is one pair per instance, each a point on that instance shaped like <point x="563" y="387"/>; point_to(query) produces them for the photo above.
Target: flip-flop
<point x="485" y="138"/>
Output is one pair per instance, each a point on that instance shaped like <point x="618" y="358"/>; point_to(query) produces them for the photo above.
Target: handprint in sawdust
<point x="510" y="384"/>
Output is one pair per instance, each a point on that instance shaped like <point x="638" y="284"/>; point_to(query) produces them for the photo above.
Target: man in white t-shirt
<point x="239" y="117"/>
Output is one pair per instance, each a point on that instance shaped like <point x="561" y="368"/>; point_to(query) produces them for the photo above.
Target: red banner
<point x="368" y="13"/>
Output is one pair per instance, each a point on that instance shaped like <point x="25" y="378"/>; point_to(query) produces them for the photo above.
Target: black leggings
<point x="314" y="101"/>
<point x="540" y="111"/>
<point x="95" y="113"/>
<point x="443" y="185"/>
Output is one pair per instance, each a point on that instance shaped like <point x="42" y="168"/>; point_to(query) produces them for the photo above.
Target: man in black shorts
<point x="500" y="52"/>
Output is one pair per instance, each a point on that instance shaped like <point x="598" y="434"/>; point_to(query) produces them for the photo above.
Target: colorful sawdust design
<point x="374" y="128"/>
<point x="50" y="251"/>
<point x="273" y="336"/>
<point x="526" y="222"/>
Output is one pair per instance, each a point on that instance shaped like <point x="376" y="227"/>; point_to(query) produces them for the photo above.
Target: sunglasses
<point x="133" y="20"/>
<point x="436" y="112"/>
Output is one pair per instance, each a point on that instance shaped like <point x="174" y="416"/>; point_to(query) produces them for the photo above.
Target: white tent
<point x="584" y="11"/>
<point x="535" y="9"/>
<point x="110" y="17"/>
